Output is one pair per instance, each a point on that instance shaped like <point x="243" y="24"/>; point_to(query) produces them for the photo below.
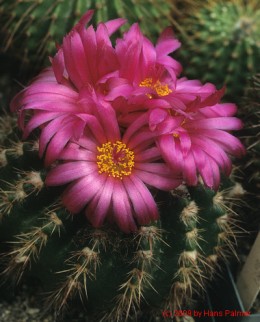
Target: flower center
<point x="115" y="159"/>
<point x="160" y="89"/>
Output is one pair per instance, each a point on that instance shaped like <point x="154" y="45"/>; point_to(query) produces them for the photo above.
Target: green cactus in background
<point x="222" y="43"/>
<point x="250" y="165"/>
<point x="118" y="276"/>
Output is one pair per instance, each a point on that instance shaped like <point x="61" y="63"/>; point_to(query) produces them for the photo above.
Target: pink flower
<point x="87" y="57"/>
<point x="148" y="76"/>
<point x="56" y="98"/>
<point x="197" y="140"/>
<point x="143" y="66"/>
<point x="108" y="173"/>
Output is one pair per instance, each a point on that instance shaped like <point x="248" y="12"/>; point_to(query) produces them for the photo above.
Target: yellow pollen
<point x="115" y="159"/>
<point x="160" y="89"/>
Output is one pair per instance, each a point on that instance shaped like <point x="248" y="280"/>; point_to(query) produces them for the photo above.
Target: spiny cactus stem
<point x="28" y="246"/>
<point x="99" y="239"/>
<point x="18" y="24"/>
<point x="16" y="150"/>
<point x="151" y="235"/>
<point x="3" y="159"/>
<point x="194" y="238"/>
<point x="139" y="277"/>
<point x="18" y="191"/>
<point x="189" y="214"/>
<point x="83" y="265"/>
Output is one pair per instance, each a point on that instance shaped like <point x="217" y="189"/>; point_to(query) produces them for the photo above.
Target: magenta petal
<point x="39" y="119"/>
<point x="58" y="65"/>
<point x="80" y="192"/>
<point x="148" y="57"/>
<point x="185" y="142"/>
<point x="109" y="122"/>
<point x="69" y="61"/>
<point x="190" y="170"/>
<point x="156" y="117"/>
<point x="141" y="140"/>
<point x="225" y="140"/>
<point x="167" y="43"/>
<point x="170" y="152"/>
<point x="142" y="200"/>
<point x="122" y="209"/>
<point x="84" y="19"/>
<point x="173" y="67"/>
<point x="100" y="204"/>
<point x="60" y="139"/>
<point x="204" y="166"/>
<point x="148" y="155"/>
<point x="67" y="172"/>
<point x="225" y="110"/>
<point x="79" y="58"/>
<point x="48" y="132"/>
<point x="118" y="87"/>
<point x="135" y="127"/>
<point x="113" y="25"/>
<point x="94" y="125"/>
<point x="49" y="91"/>
<point x="102" y="35"/>
<point x="87" y="143"/>
<point x="221" y="123"/>
<point x="158" y="181"/>
<point x="216" y="175"/>
<point x="214" y="151"/>
<point x="74" y="153"/>
<point x="90" y="46"/>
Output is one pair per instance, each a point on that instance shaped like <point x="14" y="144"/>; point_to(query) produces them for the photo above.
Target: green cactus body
<point x="117" y="275"/>
<point x="35" y="26"/>
<point x="223" y="37"/>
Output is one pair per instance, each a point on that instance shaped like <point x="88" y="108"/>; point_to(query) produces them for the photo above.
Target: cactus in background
<point x="222" y="43"/>
<point x="250" y="164"/>
<point x="33" y="27"/>
<point x="118" y="276"/>
<point x="250" y="111"/>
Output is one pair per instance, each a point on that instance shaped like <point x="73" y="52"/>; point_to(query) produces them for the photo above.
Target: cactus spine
<point x="118" y="276"/>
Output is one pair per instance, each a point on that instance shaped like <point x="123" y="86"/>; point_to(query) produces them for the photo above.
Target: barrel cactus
<point x="225" y="34"/>
<point x="120" y="182"/>
<point x="159" y="267"/>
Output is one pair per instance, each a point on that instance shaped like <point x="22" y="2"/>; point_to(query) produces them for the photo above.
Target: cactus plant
<point x="225" y="34"/>
<point x="112" y="134"/>
<point x="160" y="266"/>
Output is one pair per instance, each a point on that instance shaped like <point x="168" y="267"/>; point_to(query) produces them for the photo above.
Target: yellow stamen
<point x="115" y="159"/>
<point x="160" y="89"/>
